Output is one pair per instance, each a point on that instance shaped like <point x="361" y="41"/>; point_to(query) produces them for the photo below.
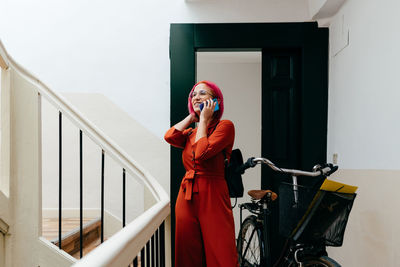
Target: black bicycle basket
<point x="290" y="210"/>
<point x="325" y="220"/>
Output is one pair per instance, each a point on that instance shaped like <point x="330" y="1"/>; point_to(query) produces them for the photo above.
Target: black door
<point x="281" y="76"/>
<point x="294" y="92"/>
<point x="281" y="100"/>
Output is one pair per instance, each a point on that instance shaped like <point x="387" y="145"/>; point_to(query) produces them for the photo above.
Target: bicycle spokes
<point x="251" y="243"/>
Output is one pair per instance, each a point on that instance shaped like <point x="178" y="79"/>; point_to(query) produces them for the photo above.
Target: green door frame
<point x="186" y="39"/>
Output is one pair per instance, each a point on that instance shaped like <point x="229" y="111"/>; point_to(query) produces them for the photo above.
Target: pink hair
<point x="217" y="94"/>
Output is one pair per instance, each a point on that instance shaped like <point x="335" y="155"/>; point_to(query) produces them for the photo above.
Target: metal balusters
<point x="59" y="178"/>
<point x="157" y="248"/>
<point x="123" y="198"/>
<point x="152" y="251"/>
<point x="148" y="253"/>
<point x="102" y="197"/>
<point x="142" y="260"/>
<point x="162" y="244"/>
<point x="152" y="254"/>
<point x="80" y="194"/>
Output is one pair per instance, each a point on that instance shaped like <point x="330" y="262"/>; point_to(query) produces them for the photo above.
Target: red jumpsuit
<point x="205" y="231"/>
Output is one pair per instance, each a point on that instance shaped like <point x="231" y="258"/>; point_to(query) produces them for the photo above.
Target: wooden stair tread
<point x="93" y="225"/>
<point x="50" y="226"/>
<point x="71" y="234"/>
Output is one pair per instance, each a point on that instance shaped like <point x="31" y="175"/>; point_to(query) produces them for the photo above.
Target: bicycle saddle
<point x="259" y="194"/>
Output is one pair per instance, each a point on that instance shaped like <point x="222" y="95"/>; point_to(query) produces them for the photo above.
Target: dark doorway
<point x="294" y="91"/>
<point x="281" y="121"/>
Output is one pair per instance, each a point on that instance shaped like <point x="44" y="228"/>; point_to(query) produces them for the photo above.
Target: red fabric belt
<point x="188" y="181"/>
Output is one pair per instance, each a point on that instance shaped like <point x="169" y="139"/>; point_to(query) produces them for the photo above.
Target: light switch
<point x="335" y="158"/>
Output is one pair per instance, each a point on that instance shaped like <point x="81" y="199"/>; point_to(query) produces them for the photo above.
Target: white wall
<point x="238" y="74"/>
<point x="5" y="133"/>
<point x="5" y="211"/>
<point x="363" y="127"/>
<point x="119" y="48"/>
<point x="315" y="5"/>
<point x="363" y="87"/>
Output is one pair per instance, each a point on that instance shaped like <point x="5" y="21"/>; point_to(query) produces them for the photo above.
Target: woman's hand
<point x="207" y="113"/>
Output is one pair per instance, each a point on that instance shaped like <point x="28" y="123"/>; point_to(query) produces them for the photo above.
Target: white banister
<point x="120" y="249"/>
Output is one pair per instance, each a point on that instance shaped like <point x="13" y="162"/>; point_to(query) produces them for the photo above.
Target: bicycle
<point x="305" y="246"/>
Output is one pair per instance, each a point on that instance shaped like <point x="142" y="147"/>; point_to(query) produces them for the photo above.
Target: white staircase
<point x="21" y="188"/>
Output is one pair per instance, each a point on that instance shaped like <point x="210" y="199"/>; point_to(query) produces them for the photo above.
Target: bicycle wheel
<point x="323" y="261"/>
<point x="250" y="247"/>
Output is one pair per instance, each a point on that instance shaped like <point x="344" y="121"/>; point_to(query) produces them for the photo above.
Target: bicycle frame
<point x="262" y="205"/>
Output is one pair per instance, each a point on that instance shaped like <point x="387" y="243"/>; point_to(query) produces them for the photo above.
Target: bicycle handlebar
<point x="250" y="163"/>
<point x="318" y="170"/>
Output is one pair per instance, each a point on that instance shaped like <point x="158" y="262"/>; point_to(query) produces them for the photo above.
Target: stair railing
<point x="144" y="237"/>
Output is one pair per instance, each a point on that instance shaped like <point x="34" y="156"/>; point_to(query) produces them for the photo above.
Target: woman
<point x="205" y="232"/>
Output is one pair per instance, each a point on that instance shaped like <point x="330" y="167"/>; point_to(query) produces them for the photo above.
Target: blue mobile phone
<point x="216" y="106"/>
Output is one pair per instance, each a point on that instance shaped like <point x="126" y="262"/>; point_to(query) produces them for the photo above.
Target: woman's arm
<point x="183" y="124"/>
<point x="223" y="136"/>
<point x="175" y="135"/>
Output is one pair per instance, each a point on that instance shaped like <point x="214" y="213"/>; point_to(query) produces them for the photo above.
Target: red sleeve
<point x="222" y="137"/>
<point x="176" y="138"/>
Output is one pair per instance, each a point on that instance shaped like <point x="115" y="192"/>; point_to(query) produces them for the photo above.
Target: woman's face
<point x="200" y="94"/>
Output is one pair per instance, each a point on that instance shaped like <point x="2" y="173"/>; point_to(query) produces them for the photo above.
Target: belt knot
<point x="187" y="184"/>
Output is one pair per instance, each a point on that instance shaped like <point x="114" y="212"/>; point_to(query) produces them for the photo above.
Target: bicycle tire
<point x="323" y="261"/>
<point x="250" y="245"/>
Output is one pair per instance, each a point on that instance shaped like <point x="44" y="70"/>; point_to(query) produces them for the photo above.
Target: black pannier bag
<point x="233" y="175"/>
